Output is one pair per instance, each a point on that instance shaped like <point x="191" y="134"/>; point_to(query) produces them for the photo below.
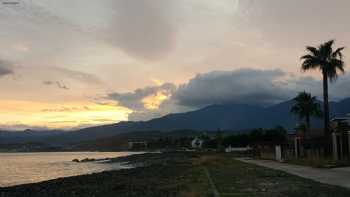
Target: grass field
<point x="234" y="178"/>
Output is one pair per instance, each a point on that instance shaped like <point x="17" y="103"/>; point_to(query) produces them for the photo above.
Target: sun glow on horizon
<point x="59" y="115"/>
<point x="153" y="102"/>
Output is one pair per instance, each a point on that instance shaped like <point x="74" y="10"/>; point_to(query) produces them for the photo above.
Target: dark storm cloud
<point x="6" y="68"/>
<point x="340" y="89"/>
<point x="244" y="86"/>
<point x="133" y="100"/>
<point x="255" y="87"/>
<point x="241" y="86"/>
<point x="143" y="28"/>
<point x="144" y="115"/>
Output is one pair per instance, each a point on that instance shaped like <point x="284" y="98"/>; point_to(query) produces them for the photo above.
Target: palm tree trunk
<point x="307" y="119"/>
<point x="326" y="104"/>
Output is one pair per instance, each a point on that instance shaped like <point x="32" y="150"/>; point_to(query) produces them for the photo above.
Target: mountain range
<point x="231" y="117"/>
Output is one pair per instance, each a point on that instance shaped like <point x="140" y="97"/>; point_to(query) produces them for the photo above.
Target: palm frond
<point x="323" y="57"/>
<point x="317" y="112"/>
<point x="328" y="47"/>
<point x="332" y="75"/>
<point x="311" y="63"/>
<point x="329" y="44"/>
<point x="306" y="106"/>
<point x="338" y="64"/>
<point x="314" y="51"/>
<point x="338" y="53"/>
<point x="305" y="57"/>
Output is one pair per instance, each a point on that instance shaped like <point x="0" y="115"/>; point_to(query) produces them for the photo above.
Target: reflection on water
<point x="20" y="168"/>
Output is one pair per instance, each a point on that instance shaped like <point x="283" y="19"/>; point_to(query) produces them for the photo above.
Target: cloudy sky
<point x="75" y="63"/>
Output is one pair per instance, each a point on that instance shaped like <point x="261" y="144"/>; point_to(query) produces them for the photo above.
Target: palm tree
<point x="330" y="63"/>
<point x="306" y="106"/>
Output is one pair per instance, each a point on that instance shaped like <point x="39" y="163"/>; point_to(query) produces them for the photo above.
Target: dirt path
<point x="213" y="187"/>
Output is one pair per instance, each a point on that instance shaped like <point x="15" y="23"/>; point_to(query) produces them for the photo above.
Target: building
<point x="339" y="122"/>
<point x="341" y="137"/>
<point x="197" y="142"/>
<point x="230" y="149"/>
<point x="137" y="145"/>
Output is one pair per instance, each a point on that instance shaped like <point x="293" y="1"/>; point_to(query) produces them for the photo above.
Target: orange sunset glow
<point x="59" y="115"/>
<point x="153" y="102"/>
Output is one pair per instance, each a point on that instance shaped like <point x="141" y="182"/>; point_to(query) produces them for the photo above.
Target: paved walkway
<point x="336" y="176"/>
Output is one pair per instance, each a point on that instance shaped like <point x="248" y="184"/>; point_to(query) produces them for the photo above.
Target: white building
<point x="197" y="143"/>
<point x="230" y="149"/>
<point x="336" y="121"/>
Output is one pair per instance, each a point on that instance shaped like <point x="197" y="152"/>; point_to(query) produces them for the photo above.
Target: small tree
<point x="306" y="106"/>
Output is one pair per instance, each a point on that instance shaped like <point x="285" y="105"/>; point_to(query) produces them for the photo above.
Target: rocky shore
<point x="167" y="174"/>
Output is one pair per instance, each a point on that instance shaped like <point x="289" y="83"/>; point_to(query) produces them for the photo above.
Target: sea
<point x="22" y="168"/>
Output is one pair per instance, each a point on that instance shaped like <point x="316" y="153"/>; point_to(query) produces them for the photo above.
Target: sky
<point x="76" y="63"/>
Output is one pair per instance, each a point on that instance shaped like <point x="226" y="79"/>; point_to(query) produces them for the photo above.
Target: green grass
<point x="319" y="162"/>
<point x="234" y="178"/>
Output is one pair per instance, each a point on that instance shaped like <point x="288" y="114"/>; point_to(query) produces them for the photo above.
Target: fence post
<point x="335" y="146"/>
<point x="297" y="146"/>
<point x="348" y="143"/>
<point x="278" y="153"/>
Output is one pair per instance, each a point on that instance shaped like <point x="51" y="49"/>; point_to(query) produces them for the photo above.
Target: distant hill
<point x="234" y="117"/>
<point x="26" y="135"/>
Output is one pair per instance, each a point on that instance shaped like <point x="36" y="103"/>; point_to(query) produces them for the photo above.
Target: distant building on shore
<point x="136" y="145"/>
<point x="197" y="142"/>
<point x="340" y="121"/>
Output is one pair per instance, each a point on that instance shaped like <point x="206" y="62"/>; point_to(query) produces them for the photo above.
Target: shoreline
<point x="30" y="168"/>
<point x="146" y="169"/>
<point x="123" y="162"/>
<point x="137" y="160"/>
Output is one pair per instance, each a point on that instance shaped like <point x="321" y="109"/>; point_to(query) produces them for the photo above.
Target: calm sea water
<point x="20" y="168"/>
